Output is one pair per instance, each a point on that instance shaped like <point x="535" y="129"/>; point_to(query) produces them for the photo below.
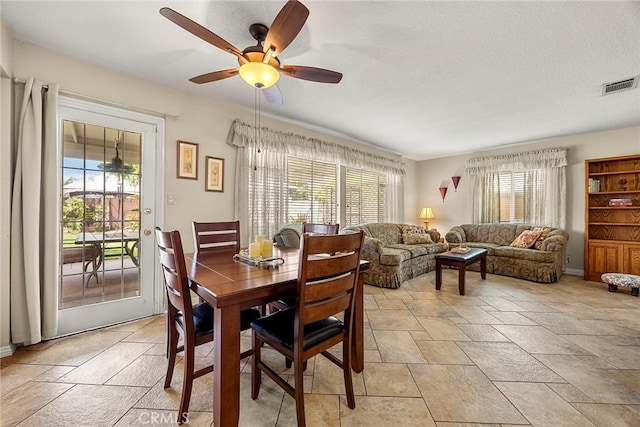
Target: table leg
<point x="438" y="274"/>
<point x="130" y="251"/>
<point x="357" y="339"/>
<point x="462" y="272"/>
<point x="226" y="374"/>
<point x="483" y="267"/>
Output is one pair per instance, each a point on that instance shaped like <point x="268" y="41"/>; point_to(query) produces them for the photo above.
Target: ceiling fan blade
<point x="286" y="26"/>
<point x="214" y="76"/>
<point x="199" y="31"/>
<point x="273" y="95"/>
<point x="311" y="73"/>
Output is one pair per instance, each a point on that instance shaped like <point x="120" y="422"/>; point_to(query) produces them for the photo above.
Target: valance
<point x="244" y="135"/>
<point x="530" y="160"/>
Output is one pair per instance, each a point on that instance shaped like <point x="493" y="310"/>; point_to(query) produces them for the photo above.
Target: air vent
<point x="620" y="86"/>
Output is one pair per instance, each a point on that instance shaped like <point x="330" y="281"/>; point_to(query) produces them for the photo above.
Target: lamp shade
<point x="259" y="74"/>
<point x="426" y="213"/>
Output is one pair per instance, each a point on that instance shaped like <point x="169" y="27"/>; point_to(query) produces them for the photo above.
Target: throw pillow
<point x="413" y="229"/>
<point x="526" y="239"/>
<point x="544" y="231"/>
<point x="416" y="238"/>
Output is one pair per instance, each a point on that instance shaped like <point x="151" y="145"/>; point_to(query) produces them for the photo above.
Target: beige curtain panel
<point x="34" y="225"/>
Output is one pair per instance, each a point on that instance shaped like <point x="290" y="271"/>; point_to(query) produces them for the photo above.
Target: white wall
<point x="6" y="72"/>
<point x="457" y="206"/>
<point x="411" y="192"/>
<point x="200" y="120"/>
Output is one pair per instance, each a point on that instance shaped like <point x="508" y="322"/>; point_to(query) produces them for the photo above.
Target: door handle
<point x="147" y="211"/>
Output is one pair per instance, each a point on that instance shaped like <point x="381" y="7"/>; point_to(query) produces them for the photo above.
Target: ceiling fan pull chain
<point x="259" y="122"/>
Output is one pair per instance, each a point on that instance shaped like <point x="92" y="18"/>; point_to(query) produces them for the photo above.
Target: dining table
<point x="101" y="239"/>
<point x="230" y="285"/>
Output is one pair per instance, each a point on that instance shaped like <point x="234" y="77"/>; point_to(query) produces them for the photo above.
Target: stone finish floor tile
<point x="374" y="411"/>
<point x="507" y="362"/>
<point x="509" y="353"/>
<point x="620" y="356"/>
<point x="389" y="379"/>
<point x="442" y="329"/>
<point x="512" y="318"/>
<point x="590" y="380"/>
<point x="463" y="394"/>
<point x="393" y="320"/>
<point x="89" y="405"/>
<point x="398" y="347"/>
<point x="476" y="315"/>
<point x="106" y="364"/>
<point x="443" y="353"/>
<point x="529" y="397"/>
<point x="610" y="415"/>
<point x="536" y="339"/>
<point x="482" y="333"/>
<point x="15" y="375"/>
<point x="23" y="401"/>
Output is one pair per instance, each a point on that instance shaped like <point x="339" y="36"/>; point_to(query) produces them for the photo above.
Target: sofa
<point x="542" y="262"/>
<point x="397" y="252"/>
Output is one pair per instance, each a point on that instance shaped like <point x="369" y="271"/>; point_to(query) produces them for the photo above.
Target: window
<point x="311" y="191"/>
<point x="523" y="187"/>
<point x="510" y="187"/>
<point x="292" y="178"/>
<point x="365" y="196"/>
<point x="519" y="193"/>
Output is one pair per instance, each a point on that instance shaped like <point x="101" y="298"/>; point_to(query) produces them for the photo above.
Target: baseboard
<point x="574" y="272"/>
<point x="7" y="350"/>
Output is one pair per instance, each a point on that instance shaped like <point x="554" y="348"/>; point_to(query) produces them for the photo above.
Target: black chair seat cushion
<point x="203" y="318"/>
<point x="279" y="328"/>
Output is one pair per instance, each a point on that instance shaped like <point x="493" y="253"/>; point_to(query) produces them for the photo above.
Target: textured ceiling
<point x="422" y="79"/>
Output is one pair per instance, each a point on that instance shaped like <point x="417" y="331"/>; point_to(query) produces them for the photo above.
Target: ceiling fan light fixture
<point x="259" y="74"/>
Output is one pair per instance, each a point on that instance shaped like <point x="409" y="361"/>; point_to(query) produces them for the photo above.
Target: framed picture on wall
<point x="187" y="156"/>
<point x="214" y="174"/>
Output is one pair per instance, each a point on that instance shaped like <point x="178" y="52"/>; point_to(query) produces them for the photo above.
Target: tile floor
<point x="509" y="353"/>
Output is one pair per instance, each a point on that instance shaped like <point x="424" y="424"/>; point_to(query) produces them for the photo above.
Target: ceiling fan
<point x="259" y="65"/>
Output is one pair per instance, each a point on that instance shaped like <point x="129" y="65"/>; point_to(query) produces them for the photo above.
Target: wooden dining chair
<point x="194" y="323"/>
<point x="327" y="277"/>
<point x="309" y="227"/>
<point x="217" y="236"/>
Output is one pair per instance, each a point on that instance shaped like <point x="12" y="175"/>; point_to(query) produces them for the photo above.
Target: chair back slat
<point x="308" y="227"/>
<point x="174" y="271"/>
<point x="327" y="275"/>
<point x="335" y="287"/>
<point x="341" y="263"/>
<point x="217" y="236"/>
<point x="329" y="307"/>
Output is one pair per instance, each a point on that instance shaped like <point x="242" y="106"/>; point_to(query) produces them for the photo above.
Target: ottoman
<point x="619" y="279"/>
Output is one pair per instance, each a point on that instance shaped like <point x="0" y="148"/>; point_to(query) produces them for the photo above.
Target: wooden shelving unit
<point x="612" y="233"/>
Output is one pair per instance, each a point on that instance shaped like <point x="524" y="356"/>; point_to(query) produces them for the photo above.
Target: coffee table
<point x="461" y="261"/>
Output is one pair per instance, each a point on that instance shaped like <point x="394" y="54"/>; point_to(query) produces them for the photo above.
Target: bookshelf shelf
<point x="612" y="232"/>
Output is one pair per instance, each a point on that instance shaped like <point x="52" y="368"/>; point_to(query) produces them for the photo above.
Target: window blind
<point x="312" y="194"/>
<point x="365" y="196"/>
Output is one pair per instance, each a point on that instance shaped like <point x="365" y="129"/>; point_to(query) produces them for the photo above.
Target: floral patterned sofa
<point x="543" y="262"/>
<point x="397" y="252"/>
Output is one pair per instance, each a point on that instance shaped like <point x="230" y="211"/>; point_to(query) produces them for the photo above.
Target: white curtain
<point x="545" y="186"/>
<point x="261" y="168"/>
<point x="34" y="260"/>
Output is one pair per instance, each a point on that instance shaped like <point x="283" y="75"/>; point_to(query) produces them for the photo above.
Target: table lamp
<point x="426" y="214"/>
